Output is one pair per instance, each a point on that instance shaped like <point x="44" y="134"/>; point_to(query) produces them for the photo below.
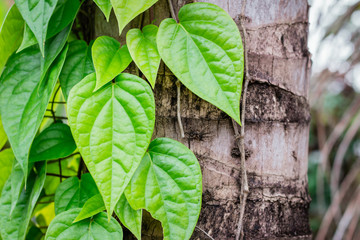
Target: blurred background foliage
<point x="334" y="146"/>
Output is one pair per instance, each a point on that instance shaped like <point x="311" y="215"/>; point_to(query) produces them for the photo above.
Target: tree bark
<point x="277" y="124"/>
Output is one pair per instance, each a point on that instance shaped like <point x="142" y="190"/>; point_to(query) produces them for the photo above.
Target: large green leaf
<point x="73" y="193"/>
<point x="23" y="100"/>
<point x="3" y="137"/>
<point x="28" y="39"/>
<point x="54" y="142"/>
<point x="92" y="206"/>
<point x="109" y="59"/>
<point x="98" y="227"/>
<point x="143" y="49"/>
<point x="168" y="184"/>
<point x="129" y="217"/>
<point x="10" y="35"/>
<point x="6" y="161"/>
<point x="14" y="226"/>
<point x="78" y="64"/>
<point x="125" y="10"/>
<point x="105" y="6"/>
<point x="36" y="14"/>
<point x="112" y="128"/>
<point x="205" y="53"/>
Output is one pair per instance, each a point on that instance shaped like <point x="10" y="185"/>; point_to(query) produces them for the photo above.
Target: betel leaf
<point x="28" y="39"/>
<point x="78" y="64"/>
<point x="6" y="161"/>
<point x="125" y="10"/>
<point x="109" y="59"/>
<point x="17" y="178"/>
<point x="143" y="49"/>
<point x="98" y="227"/>
<point x="129" y="217"/>
<point x="205" y="52"/>
<point x="3" y="137"/>
<point x="73" y="193"/>
<point x="168" y="184"/>
<point x="14" y="226"/>
<point x="92" y="206"/>
<point x="112" y="128"/>
<point x="105" y="7"/>
<point x="22" y="106"/>
<point x="54" y="142"/>
<point x="11" y="34"/>
<point x="36" y="14"/>
<point x="64" y="14"/>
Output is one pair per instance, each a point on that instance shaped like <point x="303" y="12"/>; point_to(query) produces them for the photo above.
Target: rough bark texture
<point x="277" y="125"/>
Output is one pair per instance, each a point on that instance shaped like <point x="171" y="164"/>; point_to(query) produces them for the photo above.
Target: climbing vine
<point x="100" y="146"/>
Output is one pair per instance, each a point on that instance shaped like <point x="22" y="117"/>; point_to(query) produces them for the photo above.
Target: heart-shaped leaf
<point x="14" y="225"/>
<point x="92" y="206"/>
<point x="11" y="34"/>
<point x="168" y="184"/>
<point x="130" y="218"/>
<point x="6" y="161"/>
<point x="143" y="49"/>
<point x="109" y="59"/>
<point x="98" y="227"/>
<point x="125" y="10"/>
<point x="36" y="14"/>
<point x="54" y="142"/>
<point x="73" y="193"/>
<point x="210" y="66"/>
<point x="78" y="64"/>
<point x="105" y="7"/>
<point x="22" y="106"/>
<point x="112" y="128"/>
<point x="3" y="137"/>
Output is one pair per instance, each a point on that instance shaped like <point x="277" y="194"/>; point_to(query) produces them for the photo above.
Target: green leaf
<point x="130" y="218"/>
<point x="6" y="161"/>
<point x="73" y="193"/>
<point x="28" y="39"/>
<point x="98" y="227"/>
<point x="112" y="128"/>
<point x="109" y="59"/>
<point x="36" y="14"/>
<point x="125" y="10"/>
<point x="205" y="53"/>
<point x="64" y="14"/>
<point x="22" y="106"/>
<point x="14" y="226"/>
<point x="78" y="64"/>
<point x="34" y="233"/>
<point x="168" y="184"/>
<point x="105" y="7"/>
<point x="17" y="178"/>
<point x="143" y="49"/>
<point x="11" y="34"/>
<point x="3" y="137"/>
<point x="93" y="206"/>
<point x="54" y="142"/>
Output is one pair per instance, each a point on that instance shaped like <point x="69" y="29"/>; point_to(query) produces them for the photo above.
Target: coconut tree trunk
<point x="276" y="132"/>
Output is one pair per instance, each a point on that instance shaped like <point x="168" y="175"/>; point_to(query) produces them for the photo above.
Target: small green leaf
<point x="143" y="49"/>
<point x="22" y="106"/>
<point x="112" y="128"/>
<point x="168" y="184"/>
<point x="98" y="227"/>
<point x="17" y="178"/>
<point x="6" y="161"/>
<point x="130" y="218"/>
<point x="3" y="137"/>
<point x="36" y="14"/>
<point x="73" y="193"/>
<point x="125" y="10"/>
<point x="105" y="7"/>
<point x="109" y="59"/>
<point x="11" y="35"/>
<point x="205" y="52"/>
<point x="93" y="206"/>
<point x="28" y="39"/>
<point x="14" y="226"/>
<point x="54" y="142"/>
<point x="78" y="64"/>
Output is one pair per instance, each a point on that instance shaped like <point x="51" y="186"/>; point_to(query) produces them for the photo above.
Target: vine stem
<point x="172" y="10"/>
<point x="178" y="85"/>
<point x="244" y="192"/>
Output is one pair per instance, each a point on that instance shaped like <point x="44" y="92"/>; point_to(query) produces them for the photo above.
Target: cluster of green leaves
<point x="111" y="117"/>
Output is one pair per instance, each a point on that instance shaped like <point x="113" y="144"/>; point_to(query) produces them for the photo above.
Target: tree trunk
<point x="276" y="132"/>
